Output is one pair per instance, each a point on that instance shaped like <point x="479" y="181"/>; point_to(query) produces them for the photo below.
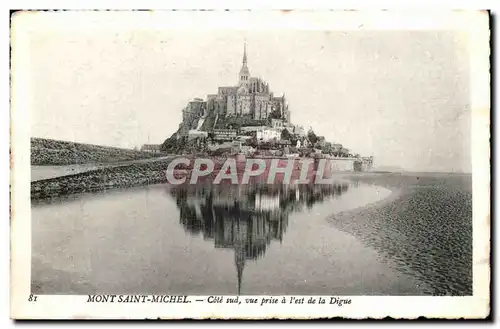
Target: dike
<point x="136" y="174"/>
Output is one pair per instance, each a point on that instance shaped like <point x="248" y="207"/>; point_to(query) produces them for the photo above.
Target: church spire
<point x="244" y="72"/>
<point x="239" y="268"/>
<point x="245" y="53"/>
<point x="239" y="253"/>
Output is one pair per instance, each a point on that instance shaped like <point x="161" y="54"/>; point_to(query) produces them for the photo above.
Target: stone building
<point x="251" y="97"/>
<point x="268" y="134"/>
<point x="225" y="134"/>
<point x="151" y="148"/>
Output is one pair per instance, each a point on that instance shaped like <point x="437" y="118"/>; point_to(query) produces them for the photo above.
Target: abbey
<point x="251" y="97"/>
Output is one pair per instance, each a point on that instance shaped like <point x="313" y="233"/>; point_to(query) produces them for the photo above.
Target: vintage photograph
<point x="258" y="161"/>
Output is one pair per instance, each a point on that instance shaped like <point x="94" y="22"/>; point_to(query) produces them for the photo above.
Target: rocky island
<point x="248" y="118"/>
<point x="245" y="119"/>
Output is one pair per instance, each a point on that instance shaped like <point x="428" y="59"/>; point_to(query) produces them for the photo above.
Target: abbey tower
<point x="250" y="97"/>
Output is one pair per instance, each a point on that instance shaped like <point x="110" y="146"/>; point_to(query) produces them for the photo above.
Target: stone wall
<point x="342" y="165"/>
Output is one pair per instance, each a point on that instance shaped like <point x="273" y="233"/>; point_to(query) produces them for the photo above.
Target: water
<point x="46" y="172"/>
<point x="53" y="171"/>
<point x="209" y="239"/>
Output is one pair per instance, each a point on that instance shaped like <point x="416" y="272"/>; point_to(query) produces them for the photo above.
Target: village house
<point x="268" y="134"/>
<point x="277" y="124"/>
<point x="225" y="134"/>
<point x="336" y="148"/>
<point x="250" y="129"/>
<point x="151" y="148"/>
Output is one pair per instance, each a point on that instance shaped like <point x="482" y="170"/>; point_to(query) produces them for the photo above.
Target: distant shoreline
<point x="147" y="172"/>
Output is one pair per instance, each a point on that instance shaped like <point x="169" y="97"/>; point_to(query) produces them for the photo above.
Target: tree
<point x="293" y="140"/>
<point x="285" y="134"/>
<point x="327" y="148"/>
<point x="252" y="142"/>
<point x="312" y="137"/>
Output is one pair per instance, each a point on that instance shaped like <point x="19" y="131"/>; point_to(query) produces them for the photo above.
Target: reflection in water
<point x="246" y="218"/>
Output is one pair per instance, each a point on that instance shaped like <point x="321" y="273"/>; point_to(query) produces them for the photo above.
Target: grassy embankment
<point x="54" y="152"/>
<point x="136" y="174"/>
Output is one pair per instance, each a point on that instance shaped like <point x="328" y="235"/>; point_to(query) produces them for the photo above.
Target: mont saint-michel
<point x="249" y="118"/>
<point x="106" y="218"/>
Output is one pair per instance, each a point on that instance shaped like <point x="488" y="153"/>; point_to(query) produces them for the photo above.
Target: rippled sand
<point x="424" y="229"/>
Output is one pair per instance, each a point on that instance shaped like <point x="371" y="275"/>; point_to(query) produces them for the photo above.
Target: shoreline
<point x="152" y="171"/>
<point x="422" y="229"/>
<point x="101" y="179"/>
<point x="44" y="172"/>
<point x="137" y="173"/>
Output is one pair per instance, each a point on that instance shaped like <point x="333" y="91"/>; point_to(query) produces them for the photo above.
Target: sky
<point x="401" y="96"/>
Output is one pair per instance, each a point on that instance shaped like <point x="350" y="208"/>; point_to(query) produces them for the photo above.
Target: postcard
<point x="266" y="164"/>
